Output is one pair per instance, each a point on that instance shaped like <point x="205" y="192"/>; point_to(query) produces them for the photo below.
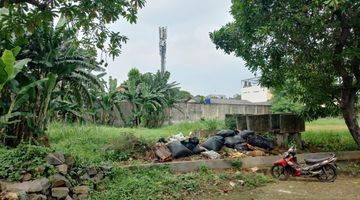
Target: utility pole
<point x="162" y="47"/>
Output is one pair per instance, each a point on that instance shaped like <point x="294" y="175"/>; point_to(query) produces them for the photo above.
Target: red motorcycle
<point x="324" y="169"/>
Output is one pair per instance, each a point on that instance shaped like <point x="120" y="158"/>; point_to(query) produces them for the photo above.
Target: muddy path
<point x="295" y="189"/>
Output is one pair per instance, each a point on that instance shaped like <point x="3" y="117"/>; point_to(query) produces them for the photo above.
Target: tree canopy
<point x="309" y="48"/>
<point x="86" y="17"/>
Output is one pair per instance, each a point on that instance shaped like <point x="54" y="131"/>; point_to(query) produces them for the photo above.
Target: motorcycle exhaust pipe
<point x="314" y="173"/>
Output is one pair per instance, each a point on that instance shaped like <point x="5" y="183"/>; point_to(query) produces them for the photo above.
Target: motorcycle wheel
<point x="329" y="174"/>
<point x="279" y="172"/>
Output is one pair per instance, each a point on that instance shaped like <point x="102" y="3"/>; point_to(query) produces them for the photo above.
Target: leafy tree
<point x="282" y="103"/>
<point x="89" y="18"/>
<point x="185" y="95"/>
<point x="59" y="79"/>
<point x="311" y="48"/>
<point x="109" y="102"/>
<point x="150" y="96"/>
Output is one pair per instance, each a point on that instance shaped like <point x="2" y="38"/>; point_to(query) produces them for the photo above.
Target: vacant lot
<point x="88" y="141"/>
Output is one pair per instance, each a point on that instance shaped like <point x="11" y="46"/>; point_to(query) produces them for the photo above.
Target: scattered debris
<point x="237" y="154"/>
<point x="256" y="153"/>
<point x="241" y="182"/>
<point x="211" y="155"/>
<point x="237" y="145"/>
<point x="254" y="169"/>
<point x="179" y="137"/>
<point x="162" y="152"/>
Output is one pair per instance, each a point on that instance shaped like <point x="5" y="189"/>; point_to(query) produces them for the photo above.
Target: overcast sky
<point x="192" y="58"/>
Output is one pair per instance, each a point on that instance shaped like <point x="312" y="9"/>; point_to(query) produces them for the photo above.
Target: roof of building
<point x="236" y="102"/>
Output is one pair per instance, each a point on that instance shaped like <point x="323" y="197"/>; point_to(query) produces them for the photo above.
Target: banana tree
<point x="9" y="68"/>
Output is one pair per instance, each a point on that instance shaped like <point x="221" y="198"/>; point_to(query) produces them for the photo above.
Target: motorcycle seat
<point x="317" y="160"/>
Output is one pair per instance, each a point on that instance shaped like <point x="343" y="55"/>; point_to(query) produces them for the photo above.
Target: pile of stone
<point x="67" y="183"/>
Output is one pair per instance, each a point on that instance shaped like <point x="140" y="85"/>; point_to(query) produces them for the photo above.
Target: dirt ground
<point x="345" y="188"/>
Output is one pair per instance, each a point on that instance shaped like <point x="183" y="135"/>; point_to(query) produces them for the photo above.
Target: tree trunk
<point x="349" y="114"/>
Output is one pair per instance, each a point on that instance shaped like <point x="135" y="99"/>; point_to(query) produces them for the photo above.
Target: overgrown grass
<point x="88" y="142"/>
<point x="328" y="134"/>
<point x="161" y="183"/>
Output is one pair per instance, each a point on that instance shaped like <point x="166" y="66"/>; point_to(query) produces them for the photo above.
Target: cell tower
<point x="162" y="47"/>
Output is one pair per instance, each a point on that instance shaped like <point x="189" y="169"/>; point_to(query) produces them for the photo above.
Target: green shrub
<point x="237" y="164"/>
<point x="24" y="158"/>
<point x="253" y="179"/>
<point x="329" y="141"/>
<point x="212" y="124"/>
<point x="126" y="146"/>
<point x="230" y="122"/>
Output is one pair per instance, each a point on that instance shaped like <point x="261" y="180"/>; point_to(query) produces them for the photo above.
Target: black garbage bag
<point x="226" y="133"/>
<point x="191" y="143"/>
<point x="245" y="134"/>
<point x="214" y="143"/>
<point x="241" y="147"/>
<point x="232" y="141"/>
<point x="198" y="149"/>
<point x="260" y="141"/>
<point x="178" y="150"/>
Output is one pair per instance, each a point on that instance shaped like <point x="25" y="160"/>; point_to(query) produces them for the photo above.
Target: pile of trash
<point x="242" y="142"/>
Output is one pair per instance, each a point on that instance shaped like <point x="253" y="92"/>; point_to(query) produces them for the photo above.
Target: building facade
<point x="252" y="91"/>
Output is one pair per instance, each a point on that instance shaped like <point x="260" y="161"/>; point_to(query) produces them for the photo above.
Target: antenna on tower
<point x="162" y="47"/>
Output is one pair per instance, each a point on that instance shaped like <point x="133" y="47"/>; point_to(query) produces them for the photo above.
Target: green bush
<point x="126" y="146"/>
<point x="24" y="158"/>
<point x="230" y="122"/>
<point x="329" y="141"/>
<point x="212" y="124"/>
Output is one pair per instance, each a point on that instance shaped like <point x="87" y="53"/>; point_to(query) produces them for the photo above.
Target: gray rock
<point x="10" y="196"/>
<point x="70" y="161"/>
<point x="81" y="190"/>
<point x="60" y="192"/>
<point x="85" y="177"/>
<point x="14" y="196"/>
<point x="59" y="180"/>
<point x="55" y="158"/>
<point x="39" y="185"/>
<point x="82" y="197"/>
<point x="68" y="198"/>
<point x="63" y="169"/>
<point x="37" y="197"/>
<point x="92" y="171"/>
<point x="41" y="169"/>
<point x="26" y="177"/>
<point x="98" y="177"/>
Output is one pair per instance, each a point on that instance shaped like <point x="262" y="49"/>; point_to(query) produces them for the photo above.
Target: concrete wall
<point x="195" y="111"/>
